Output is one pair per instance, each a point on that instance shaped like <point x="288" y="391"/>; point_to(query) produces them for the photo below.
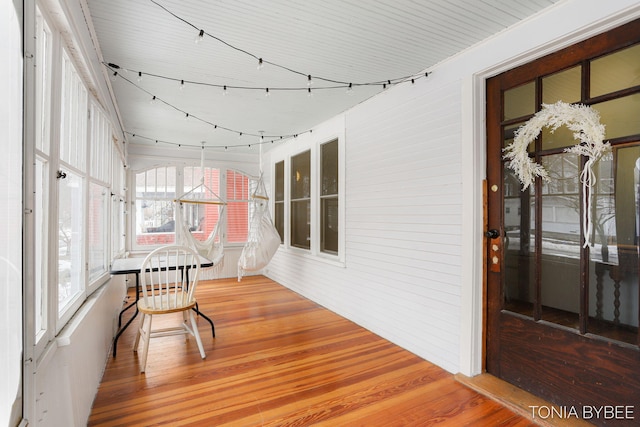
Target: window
<point x="279" y="200"/>
<point x="71" y="171"/>
<point x="307" y="202"/>
<point x="156" y="190"/>
<point x="118" y="206"/>
<point x="329" y="197"/>
<point x="100" y="144"/>
<point x="301" y="200"/>
<point x="70" y="230"/>
<point x="73" y="140"/>
<point x="98" y="230"/>
<point x="71" y="188"/>
<point x="238" y="192"/>
<point x="202" y="219"/>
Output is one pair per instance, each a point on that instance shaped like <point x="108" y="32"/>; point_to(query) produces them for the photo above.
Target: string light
<point x="187" y="115"/>
<point x="259" y="58"/>
<point x="200" y="36"/>
<point x="182" y="82"/>
<point x="263" y="140"/>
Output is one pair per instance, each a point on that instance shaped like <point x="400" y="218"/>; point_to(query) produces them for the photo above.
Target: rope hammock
<point x="212" y="247"/>
<point x="263" y="240"/>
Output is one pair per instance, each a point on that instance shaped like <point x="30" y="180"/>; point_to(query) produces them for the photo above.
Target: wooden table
<point x="134" y="266"/>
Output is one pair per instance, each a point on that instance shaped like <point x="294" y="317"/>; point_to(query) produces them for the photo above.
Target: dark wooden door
<point x="562" y="317"/>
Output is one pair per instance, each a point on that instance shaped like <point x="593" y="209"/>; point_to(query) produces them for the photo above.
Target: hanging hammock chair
<point x="263" y="240"/>
<point x="212" y="247"/>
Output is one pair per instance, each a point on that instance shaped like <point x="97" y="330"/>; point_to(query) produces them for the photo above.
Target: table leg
<point x="213" y="330"/>
<point x="121" y="330"/>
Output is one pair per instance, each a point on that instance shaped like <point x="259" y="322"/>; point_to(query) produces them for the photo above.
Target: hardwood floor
<point x="279" y="359"/>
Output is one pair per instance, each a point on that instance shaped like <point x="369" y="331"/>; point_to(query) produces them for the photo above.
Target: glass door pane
<point x="613" y="267"/>
<point x="519" y="244"/>
<point x="561" y="241"/>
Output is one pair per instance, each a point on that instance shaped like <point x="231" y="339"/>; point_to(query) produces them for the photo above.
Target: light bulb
<point x="309" y="93"/>
<point x="350" y="89"/>
<point x="114" y="76"/>
<point x="266" y="93"/>
<point x="186" y="116"/>
<point x="139" y="76"/>
<point x="200" y="36"/>
<point x="260" y="64"/>
<point x="153" y="100"/>
<point x="224" y="91"/>
<point x="309" y="81"/>
<point x="181" y="84"/>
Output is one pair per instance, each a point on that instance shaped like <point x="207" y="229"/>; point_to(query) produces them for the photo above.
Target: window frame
<point x="284" y="156"/>
<point x="100" y="153"/>
<point x="72" y="161"/>
<point x="65" y="105"/>
<point x="180" y="189"/>
<point x="45" y="117"/>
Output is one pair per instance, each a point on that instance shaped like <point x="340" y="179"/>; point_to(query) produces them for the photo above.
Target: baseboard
<point x="519" y="401"/>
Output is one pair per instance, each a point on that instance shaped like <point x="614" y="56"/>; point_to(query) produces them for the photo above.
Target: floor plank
<point x="281" y="360"/>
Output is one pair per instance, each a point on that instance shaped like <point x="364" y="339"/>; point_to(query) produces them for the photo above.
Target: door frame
<point x="474" y="173"/>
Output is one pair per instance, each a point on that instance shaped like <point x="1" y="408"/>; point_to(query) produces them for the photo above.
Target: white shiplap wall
<point x="402" y="230"/>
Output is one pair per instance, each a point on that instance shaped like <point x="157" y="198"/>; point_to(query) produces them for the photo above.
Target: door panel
<point x="562" y="317"/>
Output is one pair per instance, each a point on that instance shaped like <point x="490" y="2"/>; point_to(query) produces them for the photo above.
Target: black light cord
<point x="225" y="147"/>
<point x="189" y="115"/>
<point x="262" y="61"/>
<point x="347" y="86"/>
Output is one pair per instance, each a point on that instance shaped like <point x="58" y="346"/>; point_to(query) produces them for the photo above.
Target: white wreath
<point x="585" y="124"/>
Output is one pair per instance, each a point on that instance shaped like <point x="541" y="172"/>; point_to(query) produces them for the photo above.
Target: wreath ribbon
<point x="584" y="121"/>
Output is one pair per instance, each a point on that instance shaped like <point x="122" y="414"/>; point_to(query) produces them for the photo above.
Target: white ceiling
<point x="348" y="41"/>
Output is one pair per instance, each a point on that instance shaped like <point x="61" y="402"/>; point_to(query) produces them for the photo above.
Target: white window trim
<point x="131" y="179"/>
<point x="313" y="143"/>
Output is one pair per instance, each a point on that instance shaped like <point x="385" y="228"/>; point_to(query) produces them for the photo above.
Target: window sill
<point x="329" y="259"/>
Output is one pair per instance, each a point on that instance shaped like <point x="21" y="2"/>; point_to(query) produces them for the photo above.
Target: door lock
<point x="495" y="250"/>
<point x="492" y="234"/>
